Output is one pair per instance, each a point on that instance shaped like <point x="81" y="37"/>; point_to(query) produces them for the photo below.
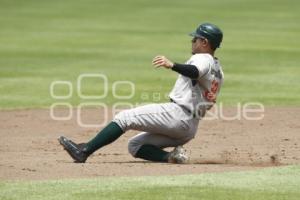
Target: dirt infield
<point x="29" y="149"/>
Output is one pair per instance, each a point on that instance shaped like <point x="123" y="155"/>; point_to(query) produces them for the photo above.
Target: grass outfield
<point x="266" y="184"/>
<point x="44" y="41"/>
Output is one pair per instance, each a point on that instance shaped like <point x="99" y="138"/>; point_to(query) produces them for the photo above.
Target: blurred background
<point x="46" y="41"/>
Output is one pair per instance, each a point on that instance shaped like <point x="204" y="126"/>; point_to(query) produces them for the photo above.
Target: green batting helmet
<point x="211" y="32"/>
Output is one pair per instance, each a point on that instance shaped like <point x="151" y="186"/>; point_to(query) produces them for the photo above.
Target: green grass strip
<point x="266" y="184"/>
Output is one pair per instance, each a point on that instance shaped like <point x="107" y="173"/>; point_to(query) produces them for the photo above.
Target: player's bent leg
<point x="149" y="146"/>
<point x="152" y="153"/>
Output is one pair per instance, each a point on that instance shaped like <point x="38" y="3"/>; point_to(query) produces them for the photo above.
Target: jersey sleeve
<point x="202" y="62"/>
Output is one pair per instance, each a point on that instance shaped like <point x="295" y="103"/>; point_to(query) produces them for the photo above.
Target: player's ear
<point x="205" y="42"/>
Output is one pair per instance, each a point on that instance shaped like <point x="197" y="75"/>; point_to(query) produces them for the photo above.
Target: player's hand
<point x="162" y="61"/>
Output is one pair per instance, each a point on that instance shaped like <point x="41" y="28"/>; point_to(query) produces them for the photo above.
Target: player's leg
<point x="166" y="119"/>
<point x="81" y="152"/>
<point x="116" y="128"/>
<point x="149" y="146"/>
<point x="162" y="118"/>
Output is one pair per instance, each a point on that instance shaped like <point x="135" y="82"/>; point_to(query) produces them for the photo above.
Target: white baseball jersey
<point x="199" y="94"/>
<point x="169" y="124"/>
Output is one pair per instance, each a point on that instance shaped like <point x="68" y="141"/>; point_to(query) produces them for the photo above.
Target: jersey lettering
<point x="211" y="95"/>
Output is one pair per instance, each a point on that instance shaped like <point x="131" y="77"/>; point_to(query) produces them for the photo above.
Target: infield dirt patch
<point x="29" y="148"/>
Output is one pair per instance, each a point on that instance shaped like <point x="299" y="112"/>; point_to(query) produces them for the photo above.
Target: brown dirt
<point x="29" y="149"/>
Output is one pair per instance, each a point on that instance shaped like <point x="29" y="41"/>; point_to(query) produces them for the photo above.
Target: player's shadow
<point x="126" y="162"/>
<point x="151" y="162"/>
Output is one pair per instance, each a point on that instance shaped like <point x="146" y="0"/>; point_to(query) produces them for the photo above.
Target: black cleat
<point x="76" y="151"/>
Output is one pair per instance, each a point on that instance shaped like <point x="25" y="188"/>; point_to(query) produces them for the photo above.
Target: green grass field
<point x="267" y="184"/>
<point x="44" y="41"/>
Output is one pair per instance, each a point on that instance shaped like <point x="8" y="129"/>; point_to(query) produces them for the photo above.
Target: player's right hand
<point x="162" y="61"/>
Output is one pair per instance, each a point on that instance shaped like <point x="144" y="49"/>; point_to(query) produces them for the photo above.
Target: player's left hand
<point x="162" y="61"/>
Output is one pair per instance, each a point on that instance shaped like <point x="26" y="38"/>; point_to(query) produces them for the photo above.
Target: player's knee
<point x="120" y="119"/>
<point x="133" y="147"/>
<point x="126" y="120"/>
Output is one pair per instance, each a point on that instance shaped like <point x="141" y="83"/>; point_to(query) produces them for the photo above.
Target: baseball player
<point x="170" y="124"/>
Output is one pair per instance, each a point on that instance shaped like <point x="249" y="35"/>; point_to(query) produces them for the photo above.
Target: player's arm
<point x="190" y="71"/>
<point x="187" y="70"/>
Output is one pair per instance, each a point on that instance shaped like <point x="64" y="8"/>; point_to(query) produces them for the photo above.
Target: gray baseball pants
<point x="163" y="125"/>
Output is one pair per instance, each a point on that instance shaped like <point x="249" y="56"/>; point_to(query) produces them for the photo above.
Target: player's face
<point x="199" y="45"/>
<point x="196" y="45"/>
